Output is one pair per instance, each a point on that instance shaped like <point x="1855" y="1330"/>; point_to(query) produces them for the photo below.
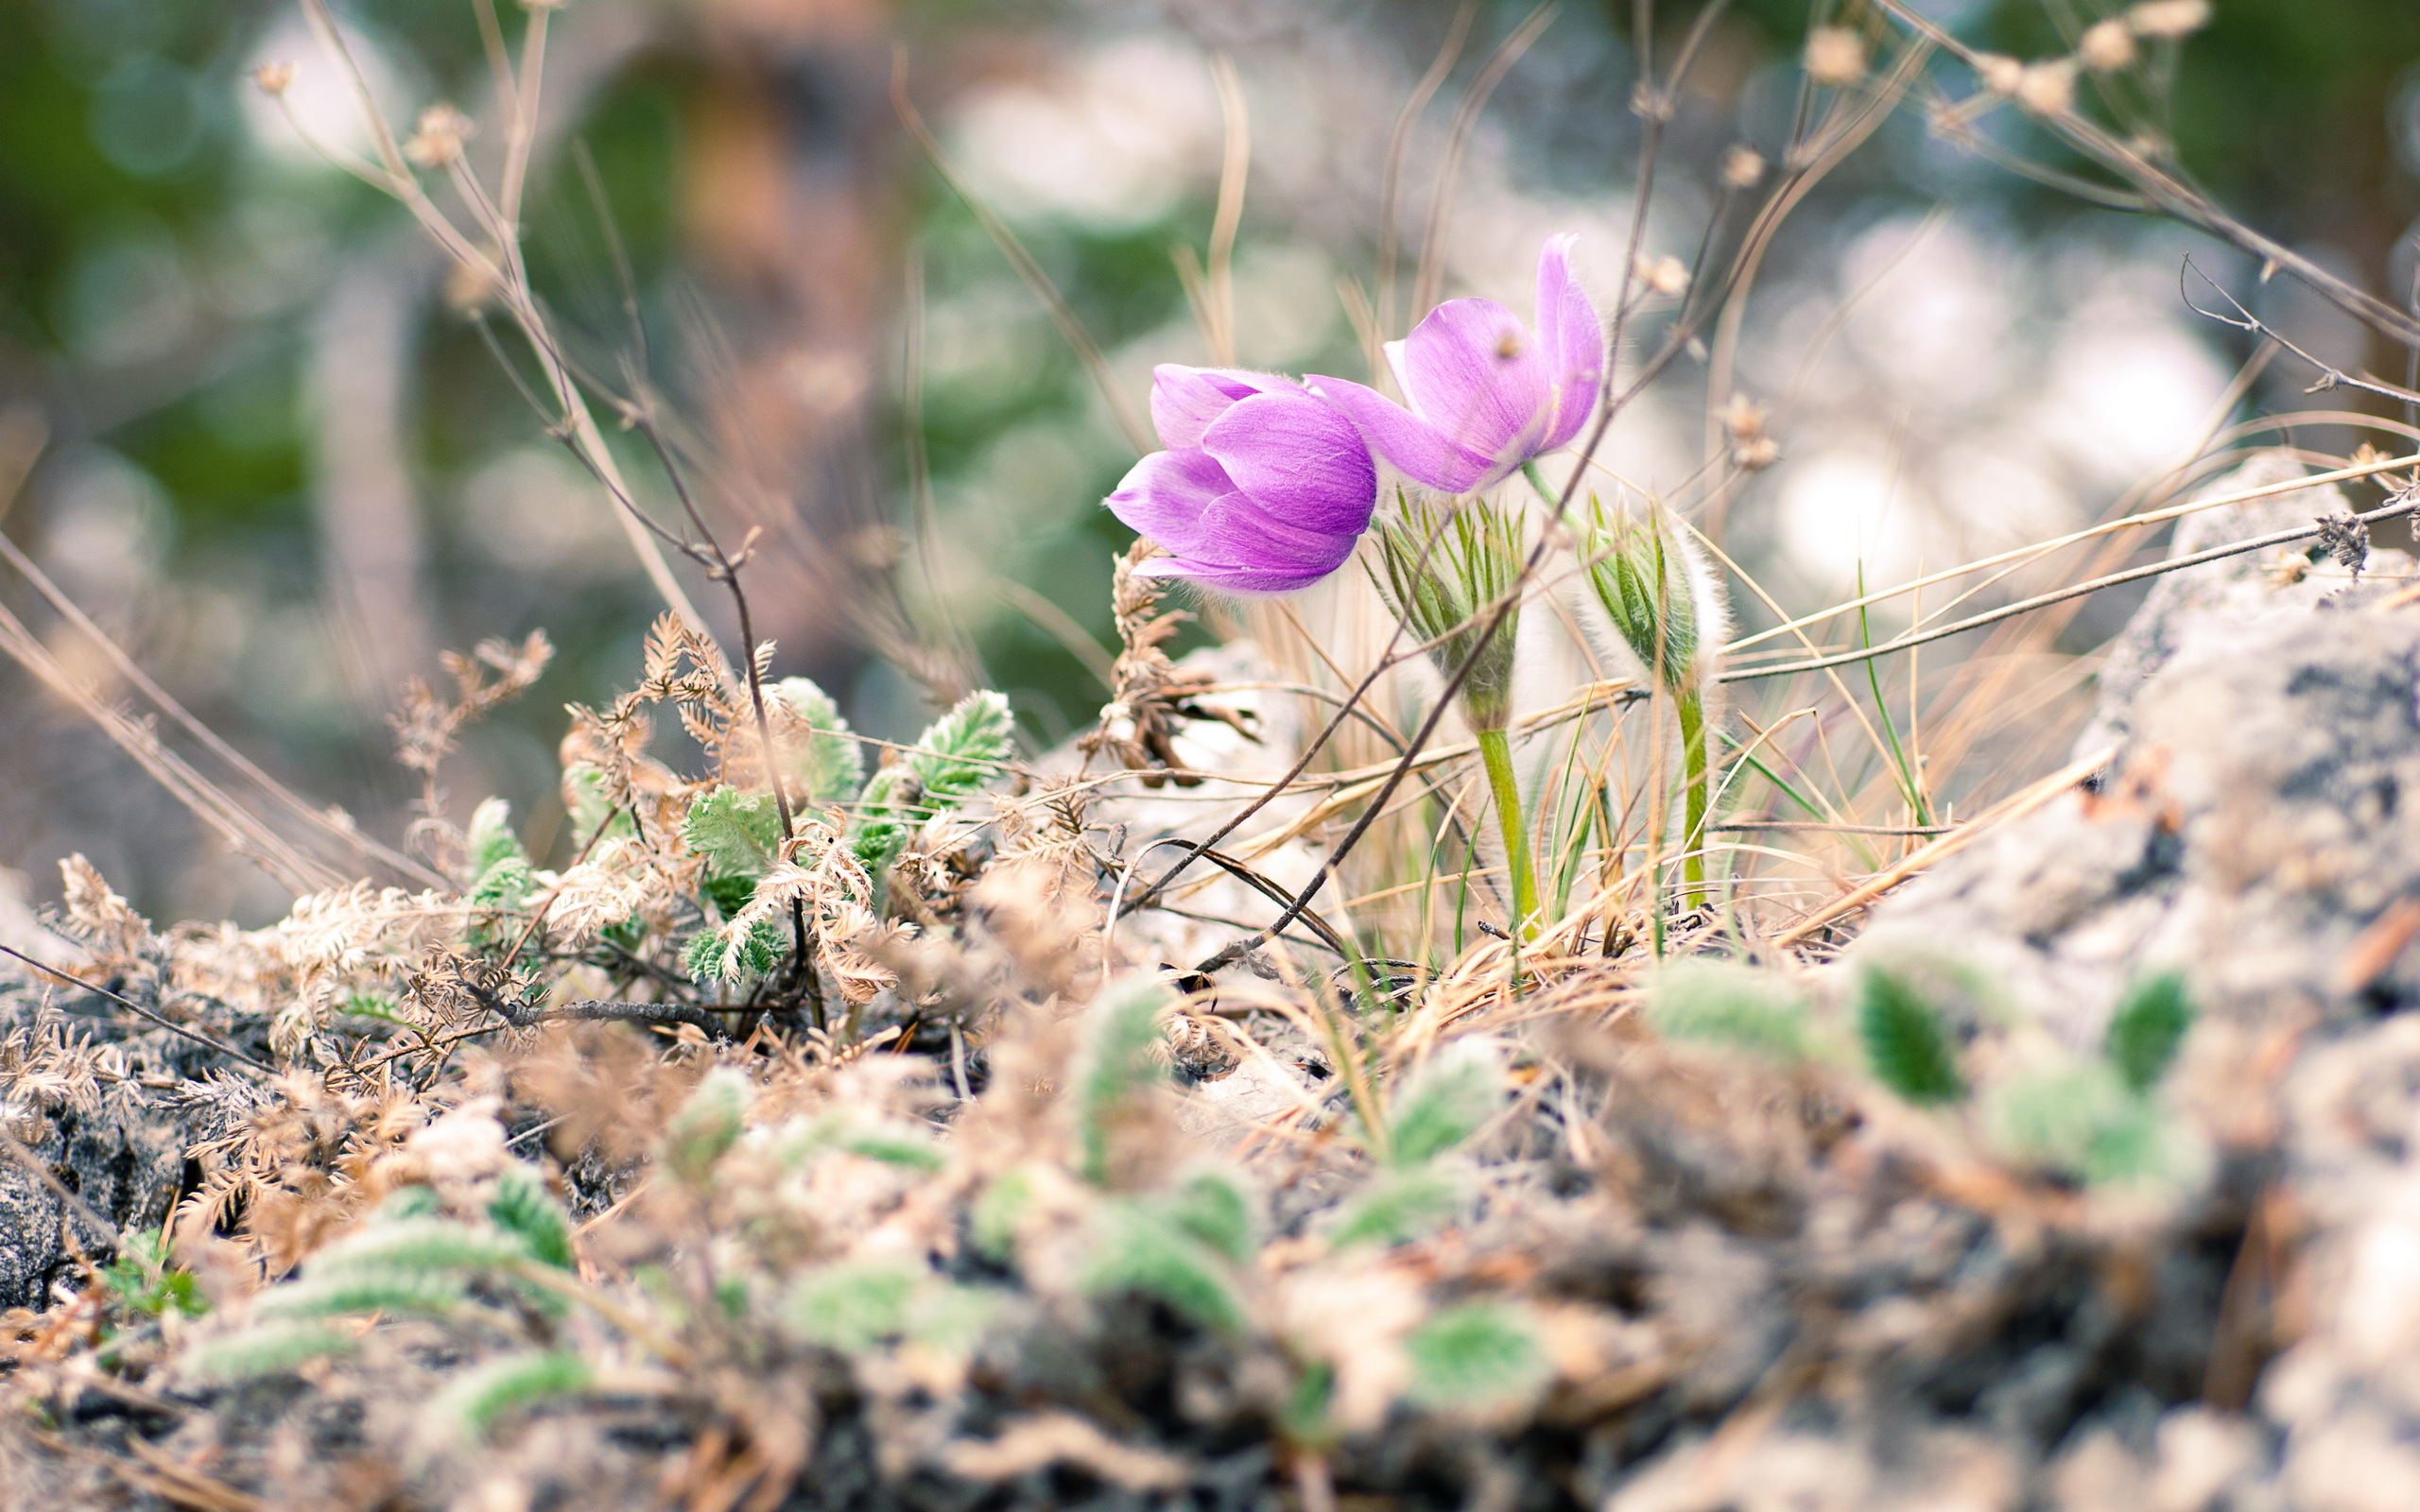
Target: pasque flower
<point x="1263" y="489"/>
<point x="1487" y="393"/>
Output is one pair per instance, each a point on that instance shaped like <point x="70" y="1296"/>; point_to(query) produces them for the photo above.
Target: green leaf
<point x="950" y="762"/>
<point x="1906" y="1041"/>
<point x="267" y="1349"/>
<point x="1440" y="1106"/>
<point x="414" y="1201"/>
<point x="1121" y="1062"/>
<point x="831" y="767"/>
<point x="144" y="1279"/>
<point x="419" y="1246"/>
<point x="1218" y="1208"/>
<point x="708" y="1123"/>
<point x="999" y="1214"/>
<point x="349" y="1293"/>
<point x="852" y="1306"/>
<point x="584" y="798"/>
<point x="523" y="1206"/>
<point x="2079" y="1118"/>
<point x="1140" y="1246"/>
<point x="760" y="955"/>
<point x="2149" y="1028"/>
<point x="738" y="834"/>
<point x="1396" y="1206"/>
<point x="1725" y="1003"/>
<point x="1477" y="1355"/>
<point x="471" y="1402"/>
<point x="491" y="839"/>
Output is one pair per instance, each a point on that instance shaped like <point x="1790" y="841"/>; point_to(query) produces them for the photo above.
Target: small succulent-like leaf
<point x="523" y="1206"/>
<point x="1906" y="1041"/>
<point x="1477" y="1356"/>
<point x="2149" y="1028"/>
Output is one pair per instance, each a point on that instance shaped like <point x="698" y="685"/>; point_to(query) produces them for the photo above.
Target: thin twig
<point x="169" y="1024"/>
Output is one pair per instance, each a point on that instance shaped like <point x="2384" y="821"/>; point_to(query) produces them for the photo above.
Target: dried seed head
<point x="2048" y="89"/>
<point x="1667" y="275"/>
<point x="1835" y="56"/>
<point x="2287" y="568"/>
<point x="2107" y="47"/>
<point x="1742" y="166"/>
<point x="2169" y="18"/>
<point x="1755" y="455"/>
<point x="2000" y="74"/>
<point x="274" y="79"/>
<point x="1743" y="418"/>
<point x="437" y="141"/>
<point x="469" y="289"/>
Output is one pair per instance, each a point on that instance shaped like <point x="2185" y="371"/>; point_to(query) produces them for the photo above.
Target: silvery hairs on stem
<point x="1442" y="564"/>
<point x="1653" y="588"/>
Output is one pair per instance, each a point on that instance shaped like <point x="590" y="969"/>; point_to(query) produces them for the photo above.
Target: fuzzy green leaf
<point x="1397" y="1206"/>
<point x="737" y="832"/>
<point x="1639" y="579"/>
<point x="950" y="762"/>
<point x="267" y="1349"/>
<point x="470" y="1404"/>
<point x="708" y="1123"/>
<point x="490" y="838"/>
<point x="1440" y="1106"/>
<point x="420" y="1245"/>
<point x="2149" y="1028"/>
<point x="851" y="1307"/>
<point x="1906" y="1041"/>
<point x="1479" y="1355"/>
<point x="1120" y="1063"/>
<point x="999" y="1212"/>
<point x="1218" y="1208"/>
<point x="523" y="1206"/>
<point x="349" y="1293"/>
<point x="831" y="767"/>
<point x="1140" y="1248"/>
<point x="2079" y="1118"/>
<point x="1723" y="1003"/>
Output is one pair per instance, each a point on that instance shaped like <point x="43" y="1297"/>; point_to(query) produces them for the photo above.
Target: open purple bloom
<point x="1486" y="394"/>
<point x="1263" y="489"/>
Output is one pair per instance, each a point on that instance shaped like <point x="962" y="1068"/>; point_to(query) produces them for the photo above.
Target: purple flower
<point x="1486" y="395"/>
<point x="1263" y="489"/>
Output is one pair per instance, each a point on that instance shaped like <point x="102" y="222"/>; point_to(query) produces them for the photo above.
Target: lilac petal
<point x="1299" y="459"/>
<point x="1184" y="401"/>
<point x="1406" y="441"/>
<point x="1474" y="373"/>
<point x="1571" y="342"/>
<point x="1240" y="579"/>
<point x="1185" y="501"/>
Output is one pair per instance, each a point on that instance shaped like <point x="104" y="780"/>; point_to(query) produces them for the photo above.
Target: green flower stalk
<point x="1668" y="609"/>
<point x="1444" y="566"/>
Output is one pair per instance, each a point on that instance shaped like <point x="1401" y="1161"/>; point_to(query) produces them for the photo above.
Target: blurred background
<point x="261" y="442"/>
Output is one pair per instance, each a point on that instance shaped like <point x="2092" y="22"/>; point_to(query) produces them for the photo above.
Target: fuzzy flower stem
<point x="1689" y="705"/>
<point x="1495" y="752"/>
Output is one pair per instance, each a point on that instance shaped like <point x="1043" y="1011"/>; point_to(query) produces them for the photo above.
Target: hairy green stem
<point x="1690" y="705"/>
<point x="1496" y="751"/>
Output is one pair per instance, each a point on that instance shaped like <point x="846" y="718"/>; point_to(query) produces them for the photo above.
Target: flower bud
<point x="1835" y="56"/>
